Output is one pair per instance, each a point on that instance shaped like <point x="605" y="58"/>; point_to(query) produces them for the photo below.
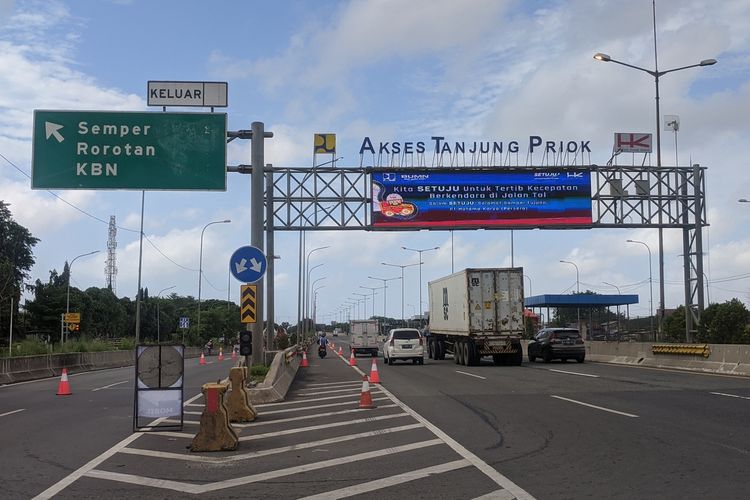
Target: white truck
<point x="476" y="313"/>
<point x="363" y="337"/>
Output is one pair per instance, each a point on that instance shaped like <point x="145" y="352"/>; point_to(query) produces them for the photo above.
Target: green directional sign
<point x="127" y="150"/>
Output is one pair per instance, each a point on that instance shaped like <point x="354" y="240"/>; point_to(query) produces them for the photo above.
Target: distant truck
<point x="476" y="313"/>
<point x="363" y="337"/>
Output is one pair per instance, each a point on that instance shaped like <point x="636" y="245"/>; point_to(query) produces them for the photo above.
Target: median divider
<point x="280" y="375"/>
<point x="238" y="404"/>
<point x="215" y="433"/>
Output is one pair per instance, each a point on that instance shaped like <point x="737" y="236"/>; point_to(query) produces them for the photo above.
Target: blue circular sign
<point x="248" y="264"/>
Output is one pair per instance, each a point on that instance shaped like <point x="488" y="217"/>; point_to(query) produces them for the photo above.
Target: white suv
<point x="404" y="343"/>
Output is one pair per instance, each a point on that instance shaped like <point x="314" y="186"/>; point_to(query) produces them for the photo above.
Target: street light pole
<point x="402" y="281"/>
<point x="618" y="305"/>
<point x="578" y="291"/>
<point x="305" y="305"/>
<point x="657" y="74"/>
<point x="372" y="288"/>
<point x="306" y="279"/>
<point x="529" y="278"/>
<point x="200" y="268"/>
<point x="158" y="319"/>
<point x="420" y="251"/>
<point x="67" y="295"/>
<point x="364" y="308"/>
<point x="650" y="287"/>
<point x="385" y="292"/>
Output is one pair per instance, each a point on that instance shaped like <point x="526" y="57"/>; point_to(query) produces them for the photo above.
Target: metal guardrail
<point x="682" y="349"/>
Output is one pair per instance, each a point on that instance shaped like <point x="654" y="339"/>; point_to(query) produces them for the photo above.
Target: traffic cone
<point x="304" y="363"/>
<point x="234" y="353"/>
<point x="352" y="359"/>
<point x="365" y="399"/>
<point x="221" y="354"/>
<point x="203" y="359"/>
<point x="333" y="346"/>
<point x="341" y="351"/>
<point x="374" y="375"/>
<point x="63" y="388"/>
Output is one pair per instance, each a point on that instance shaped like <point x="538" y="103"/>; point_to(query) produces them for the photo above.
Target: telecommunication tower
<point x="110" y="271"/>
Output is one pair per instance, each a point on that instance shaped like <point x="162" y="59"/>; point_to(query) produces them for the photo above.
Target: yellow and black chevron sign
<point x="325" y="144"/>
<point x="248" y="301"/>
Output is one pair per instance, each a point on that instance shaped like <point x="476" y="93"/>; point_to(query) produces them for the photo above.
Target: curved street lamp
<point x="578" y="291"/>
<point x="420" y="251"/>
<point x="402" y="266"/>
<point x="650" y="285"/>
<point x="200" y="268"/>
<point x="158" y="322"/>
<point x="302" y="304"/>
<point x="385" y="292"/>
<point x="372" y="288"/>
<point x="67" y="295"/>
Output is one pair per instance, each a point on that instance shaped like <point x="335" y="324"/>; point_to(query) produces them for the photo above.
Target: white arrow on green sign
<point x="129" y="150"/>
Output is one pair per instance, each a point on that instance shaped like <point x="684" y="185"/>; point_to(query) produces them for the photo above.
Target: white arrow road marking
<point x="241" y="265"/>
<point x="53" y="129"/>
<point x="255" y="265"/>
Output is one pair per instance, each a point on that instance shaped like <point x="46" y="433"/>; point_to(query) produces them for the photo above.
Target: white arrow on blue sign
<point x="248" y="264"/>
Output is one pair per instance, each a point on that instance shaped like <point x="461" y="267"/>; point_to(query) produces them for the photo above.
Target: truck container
<point x="363" y="337"/>
<point x="476" y="313"/>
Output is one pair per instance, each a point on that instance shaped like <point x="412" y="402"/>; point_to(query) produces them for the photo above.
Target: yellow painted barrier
<point x="682" y="349"/>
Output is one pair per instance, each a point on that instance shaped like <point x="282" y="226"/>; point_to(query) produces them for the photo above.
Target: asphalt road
<point x="545" y="431"/>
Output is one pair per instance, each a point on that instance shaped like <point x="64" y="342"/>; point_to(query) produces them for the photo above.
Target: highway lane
<point x="568" y="430"/>
<point x="55" y="435"/>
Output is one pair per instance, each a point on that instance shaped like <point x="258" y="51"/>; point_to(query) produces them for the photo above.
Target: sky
<point x="392" y="71"/>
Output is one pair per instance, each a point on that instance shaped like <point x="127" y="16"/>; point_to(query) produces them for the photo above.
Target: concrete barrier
<point x="279" y="377"/>
<point x="729" y="359"/>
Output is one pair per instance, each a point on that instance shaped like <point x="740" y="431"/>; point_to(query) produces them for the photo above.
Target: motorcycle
<point x="322" y="351"/>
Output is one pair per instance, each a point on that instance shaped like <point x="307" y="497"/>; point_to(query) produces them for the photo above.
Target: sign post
<point x="126" y="150"/>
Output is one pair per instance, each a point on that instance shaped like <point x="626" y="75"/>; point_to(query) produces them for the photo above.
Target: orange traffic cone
<point x="234" y="353"/>
<point x="341" y="351"/>
<point x="333" y="346"/>
<point x="365" y="399"/>
<point x="63" y="389"/>
<point x="352" y="359"/>
<point x="374" y="375"/>
<point x="203" y="359"/>
<point x="221" y="354"/>
<point x="304" y="363"/>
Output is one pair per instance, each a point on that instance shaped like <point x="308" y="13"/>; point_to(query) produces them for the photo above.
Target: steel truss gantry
<point x="337" y="199"/>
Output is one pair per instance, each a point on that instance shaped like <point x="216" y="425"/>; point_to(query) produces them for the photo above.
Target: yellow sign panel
<point x="72" y="317"/>
<point x="248" y="303"/>
<point x="325" y="144"/>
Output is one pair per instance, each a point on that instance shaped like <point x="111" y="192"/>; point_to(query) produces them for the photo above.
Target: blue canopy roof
<point x="580" y="300"/>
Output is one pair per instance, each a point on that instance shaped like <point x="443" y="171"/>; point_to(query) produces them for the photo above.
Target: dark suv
<point x="557" y="343"/>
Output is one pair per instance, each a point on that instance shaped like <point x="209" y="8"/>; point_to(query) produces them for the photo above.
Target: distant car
<point x="404" y="344"/>
<point x="557" y="343"/>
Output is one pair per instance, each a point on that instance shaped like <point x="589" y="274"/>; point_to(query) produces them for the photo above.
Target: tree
<point x="16" y="260"/>
<point x="724" y="323"/>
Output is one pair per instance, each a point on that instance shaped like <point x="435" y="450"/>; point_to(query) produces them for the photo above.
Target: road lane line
<point x="389" y="481"/>
<point x="110" y="385"/>
<point x="347" y="389"/>
<point x="317" y="415"/>
<point x="596" y="407"/>
<point x="717" y="393"/>
<point x="471" y="375"/>
<point x="323" y="426"/>
<point x="488" y="470"/>
<point x="353" y="382"/>
<point x="272" y="451"/>
<point x="574" y="373"/>
<point x="497" y="495"/>
<point x="264" y="476"/>
<point x="11" y="412"/>
<point x="298" y="401"/>
<point x="353" y="402"/>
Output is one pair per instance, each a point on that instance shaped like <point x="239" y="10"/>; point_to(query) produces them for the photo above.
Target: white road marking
<point x="471" y="375"/>
<point x="298" y="401"/>
<point x="88" y="467"/>
<point x="265" y="476"/>
<point x="327" y="392"/>
<point x="596" y="407"/>
<point x="497" y="495"/>
<point x="333" y="383"/>
<point x="11" y="412"/>
<point x="317" y="415"/>
<point x="110" y="385"/>
<point x="184" y="435"/>
<point x="357" y="489"/>
<point x="193" y="412"/>
<point x="323" y="426"/>
<point x="272" y="451"/>
<point x="488" y="470"/>
<point x="574" y="373"/>
<point x="317" y="406"/>
<point x="716" y="393"/>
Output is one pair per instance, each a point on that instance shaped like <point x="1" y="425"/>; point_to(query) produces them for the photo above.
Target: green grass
<point x="258" y="372"/>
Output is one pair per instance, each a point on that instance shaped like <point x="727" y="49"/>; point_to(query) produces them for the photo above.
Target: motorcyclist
<point x="322" y="340"/>
<point x="209" y="346"/>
